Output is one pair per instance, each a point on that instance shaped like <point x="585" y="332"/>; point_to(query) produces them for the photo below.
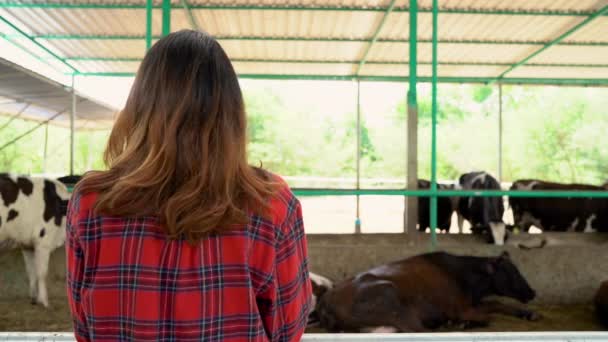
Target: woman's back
<point x="180" y="238"/>
<point x="247" y="284"/>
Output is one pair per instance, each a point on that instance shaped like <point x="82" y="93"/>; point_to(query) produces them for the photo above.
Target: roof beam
<point x="460" y="80"/>
<point x="321" y="61"/>
<point x="102" y="5"/>
<point x="561" y="37"/>
<point x="312" y="39"/>
<point x="376" y="35"/>
<point x="21" y="32"/>
<point x="191" y="18"/>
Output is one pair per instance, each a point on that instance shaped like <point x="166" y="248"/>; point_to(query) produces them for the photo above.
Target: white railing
<point x="583" y="336"/>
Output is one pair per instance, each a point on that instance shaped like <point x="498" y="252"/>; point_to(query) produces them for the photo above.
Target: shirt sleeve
<point x="75" y="271"/>
<point x="289" y="297"/>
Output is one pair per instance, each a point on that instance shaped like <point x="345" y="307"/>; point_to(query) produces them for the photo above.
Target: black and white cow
<point x="445" y="207"/>
<point x="70" y="180"/>
<point x="558" y="214"/>
<point x="32" y="217"/>
<point x="484" y="213"/>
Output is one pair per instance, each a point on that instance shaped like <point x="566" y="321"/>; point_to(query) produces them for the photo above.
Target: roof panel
<point x="425" y="70"/>
<point x="521" y="5"/>
<point x="568" y="54"/>
<point x="46" y="98"/>
<point x="292" y="50"/>
<point x="87" y="21"/>
<point x="449" y="52"/>
<point x="98" y="48"/>
<point x="560" y="72"/>
<point x="276" y="23"/>
<point x="294" y="68"/>
<point x="596" y="31"/>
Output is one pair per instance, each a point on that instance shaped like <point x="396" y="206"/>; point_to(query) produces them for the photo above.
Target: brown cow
<point x="425" y="292"/>
<point x="601" y="304"/>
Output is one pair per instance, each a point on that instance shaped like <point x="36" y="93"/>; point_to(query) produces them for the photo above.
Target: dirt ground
<point x="17" y="314"/>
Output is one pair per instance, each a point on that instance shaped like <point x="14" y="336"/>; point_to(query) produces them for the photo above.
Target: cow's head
<point x="320" y="285"/>
<point x="506" y="280"/>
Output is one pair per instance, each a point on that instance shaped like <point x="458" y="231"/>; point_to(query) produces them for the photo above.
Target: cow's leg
<point x="460" y="222"/>
<point x="42" y="255"/>
<point x="509" y="310"/>
<point x="30" y="267"/>
<point x="499" y="232"/>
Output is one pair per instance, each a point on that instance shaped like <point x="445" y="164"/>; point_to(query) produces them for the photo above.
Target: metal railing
<point x="583" y="336"/>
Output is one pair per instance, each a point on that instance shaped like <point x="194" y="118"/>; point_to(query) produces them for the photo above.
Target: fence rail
<point x="586" y="336"/>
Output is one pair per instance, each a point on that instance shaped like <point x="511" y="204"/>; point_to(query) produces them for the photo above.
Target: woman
<point x="180" y="239"/>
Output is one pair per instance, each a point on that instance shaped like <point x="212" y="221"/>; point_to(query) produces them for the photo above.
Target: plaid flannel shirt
<point x="127" y="281"/>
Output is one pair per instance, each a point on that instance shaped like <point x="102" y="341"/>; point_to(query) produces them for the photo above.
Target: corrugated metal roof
<point x="477" y="38"/>
<point x="35" y="97"/>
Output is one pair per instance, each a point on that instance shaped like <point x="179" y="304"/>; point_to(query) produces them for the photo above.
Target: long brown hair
<point x="177" y="150"/>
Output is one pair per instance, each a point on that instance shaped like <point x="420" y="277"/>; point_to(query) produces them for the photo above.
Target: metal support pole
<point x="166" y="17"/>
<point x="411" y="203"/>
<point x="500" y="132"/>
<point x="358" y="218"/>
<point x="72" y="119"/>
<point x="149" y="7"/>
<point x="433" y="220"/>
<point x="46" y="144"/>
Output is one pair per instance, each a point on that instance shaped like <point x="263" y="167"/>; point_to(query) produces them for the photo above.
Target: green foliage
<point x="549" y="133"/>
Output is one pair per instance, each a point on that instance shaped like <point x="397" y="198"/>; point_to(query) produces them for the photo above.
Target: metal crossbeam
<point x="460" y="80"/>
<point x="313" y="39"/>
<point x="375" y="36"/>
<point x="191" y="18"/>
<point x="11" y="25"/>
<point x="322" y="61"/>
<point x="601" y="12"/>
<point x="103" y="5"/>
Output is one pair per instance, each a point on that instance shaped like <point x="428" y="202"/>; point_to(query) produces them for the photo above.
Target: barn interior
<point x="52" y="50"/>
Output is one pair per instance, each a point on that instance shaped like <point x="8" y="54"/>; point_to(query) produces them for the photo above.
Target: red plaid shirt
<point x="127" y="281"/>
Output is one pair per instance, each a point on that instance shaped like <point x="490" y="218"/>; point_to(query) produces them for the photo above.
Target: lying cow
<point x="425" y="292"/>
<point x="320" y="285"/>
<point x="32" y="217"/>
<point x="445" y="207"/>
<point x="484" y="213"/>
<point x="601" y="304"/>
<point x="558" y="214"/>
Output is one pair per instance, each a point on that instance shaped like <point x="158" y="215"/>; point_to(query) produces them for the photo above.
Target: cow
<point x="484" y="213"/>
<point x="320" y="285"/>
<point x="558" y="214"/>
<point x="70" y="180"/>
<point x="600" y="302"/>
<point x="445" y="207"/>
<point x="32" y="218"/>
<point x="426" y="292"/>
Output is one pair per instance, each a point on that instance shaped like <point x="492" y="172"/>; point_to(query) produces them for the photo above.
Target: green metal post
<point x="166" y="17"/>
<point x="500" y="132"/>
<point x="358" y="218"/>
<point x="72" y="129"/>
<point x="434" y="132"/>
<point x="149" y="6"/>
<point x="410" y="219"/>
